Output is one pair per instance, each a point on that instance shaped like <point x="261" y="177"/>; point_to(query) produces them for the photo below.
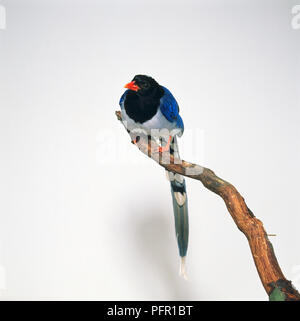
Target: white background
<point x="83" y="214"/>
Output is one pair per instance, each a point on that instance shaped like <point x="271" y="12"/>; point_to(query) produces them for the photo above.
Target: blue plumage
<point x="121" y="102"/>
<point x="168" y="106"/>
<point x="170" y="109"/>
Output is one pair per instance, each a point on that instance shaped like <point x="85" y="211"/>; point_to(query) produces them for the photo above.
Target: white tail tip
<point x="182" y="271"/>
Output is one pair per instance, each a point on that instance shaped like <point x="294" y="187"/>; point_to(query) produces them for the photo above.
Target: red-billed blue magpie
<point x="151" y="108"/>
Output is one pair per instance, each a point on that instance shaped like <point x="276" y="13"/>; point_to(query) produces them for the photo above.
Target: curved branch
<point x="276" y="285"/>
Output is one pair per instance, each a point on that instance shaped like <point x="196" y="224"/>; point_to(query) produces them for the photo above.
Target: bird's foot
<point x="166" y="148"/>
<point x="136" y="140"/>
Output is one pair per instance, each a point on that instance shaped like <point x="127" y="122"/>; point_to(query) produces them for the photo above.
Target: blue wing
<point x="170" y="109"/>
<point x="121" y="102"/>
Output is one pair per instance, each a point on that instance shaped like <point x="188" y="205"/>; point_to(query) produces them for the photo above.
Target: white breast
<point x="155" y="126"/>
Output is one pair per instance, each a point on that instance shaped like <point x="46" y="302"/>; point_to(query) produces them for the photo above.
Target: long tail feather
<point x="180" y="208"/>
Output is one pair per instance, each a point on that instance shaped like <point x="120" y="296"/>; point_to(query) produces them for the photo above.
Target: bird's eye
<point x="145" y="85"/>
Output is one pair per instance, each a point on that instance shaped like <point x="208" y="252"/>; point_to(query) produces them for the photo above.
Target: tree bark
<point x="276" y="285"/>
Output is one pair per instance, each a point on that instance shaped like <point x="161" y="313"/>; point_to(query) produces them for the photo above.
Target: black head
<point x="144" y="85"/>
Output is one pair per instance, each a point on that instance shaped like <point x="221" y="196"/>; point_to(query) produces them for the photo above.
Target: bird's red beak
<point x="132" y="86"/>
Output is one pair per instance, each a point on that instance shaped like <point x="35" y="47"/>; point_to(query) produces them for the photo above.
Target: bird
<point x="150" y="108"/>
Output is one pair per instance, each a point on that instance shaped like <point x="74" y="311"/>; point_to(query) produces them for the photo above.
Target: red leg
<point x="136" y="140"/>
<point x="166" y="148"/>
